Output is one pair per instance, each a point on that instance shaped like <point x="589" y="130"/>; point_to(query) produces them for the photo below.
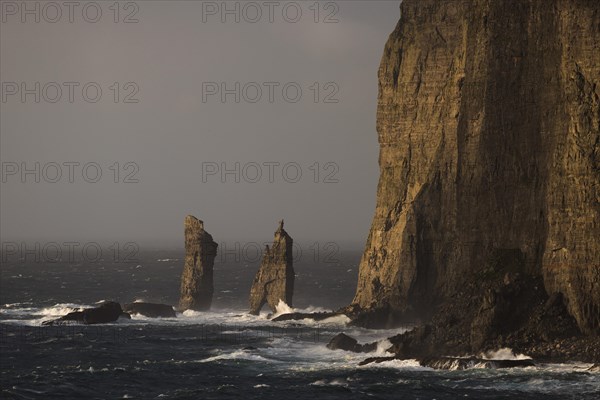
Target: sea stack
<point x="274" y="280"/>
<point x="197" y="277"/>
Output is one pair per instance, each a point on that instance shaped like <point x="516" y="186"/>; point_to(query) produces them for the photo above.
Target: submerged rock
<point x="108" y="311"/>
<point x="274" y="280"/>
<point x="152" y="310"/>
<point x="458" y="363"/>
<point x="197" y="277"/>
<point x="318" y="316"/>
<point x="377" y="360"/>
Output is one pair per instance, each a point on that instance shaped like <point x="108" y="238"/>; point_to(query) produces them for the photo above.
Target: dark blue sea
<point x="225" y="353"/>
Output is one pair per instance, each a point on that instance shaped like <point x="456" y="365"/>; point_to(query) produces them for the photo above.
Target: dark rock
<point x="197" y="277"/>
<point x="297" y="316"/>
<point x="458" y="363"/>
<point x="376" y="360"/>
<point x="108" y="311"/>
<point x="152" y="310"/>
<point x="341" y="341"/>
<point x="274" y="280"/>
<point x="374" y="317"/>
<point x="486" y="315"/>
<point x="76" y="316"/>
<point x="594" y="368"/>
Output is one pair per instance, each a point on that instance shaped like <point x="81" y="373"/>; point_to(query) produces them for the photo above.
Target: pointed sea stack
<point x="197" y="277"/>
<point x="274" y="280"/>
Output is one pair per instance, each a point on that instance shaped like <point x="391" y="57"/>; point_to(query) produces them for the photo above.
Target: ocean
<point x="225" y="353"/>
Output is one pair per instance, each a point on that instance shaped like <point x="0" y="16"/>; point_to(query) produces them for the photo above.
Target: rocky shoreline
<point x="491" y="313"/>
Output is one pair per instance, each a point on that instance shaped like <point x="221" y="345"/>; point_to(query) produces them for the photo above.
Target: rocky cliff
<point x="197" y="277"/>
<point x="274" y="280"/>
<point x="488" y="123"/>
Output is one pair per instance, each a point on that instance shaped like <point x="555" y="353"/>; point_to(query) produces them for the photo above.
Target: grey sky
<point x="171" y="131"/>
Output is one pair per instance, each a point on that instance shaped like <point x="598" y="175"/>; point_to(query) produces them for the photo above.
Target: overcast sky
<point x="165" y="125"/>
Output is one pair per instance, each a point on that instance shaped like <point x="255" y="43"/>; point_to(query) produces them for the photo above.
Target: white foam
<point x="504" y="354"/>
<point x="382" y="347"/>
<point x="336" y="320"/>
<point x="58" y="310"/>
<point x="282" y="308"/>
<point x="399" y="364"/>
<point x="333" y="382"/>
<point x="237" y="355"/>
<point x="15" y="305"/>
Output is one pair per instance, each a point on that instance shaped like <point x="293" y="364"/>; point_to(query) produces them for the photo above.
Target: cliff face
<point x="197" y="277"/>
<point x="274" y="280"/>
<point x="488" y="123"/>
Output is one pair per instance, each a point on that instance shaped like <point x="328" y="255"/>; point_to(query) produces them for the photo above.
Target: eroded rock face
<point x="197" y="277"/>
<point x="488" y="123"/>
<point x="274" y="280"/>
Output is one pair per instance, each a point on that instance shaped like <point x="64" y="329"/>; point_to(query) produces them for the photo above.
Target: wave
<point x="282" y="308"/>
<point x="16" y="305"/>
<point x="56" y="310"/>
<point x="503" y="354"/>
<point x="411" y="364"/>
<point x="238" y="355"/>
<point x="332" y="382"/>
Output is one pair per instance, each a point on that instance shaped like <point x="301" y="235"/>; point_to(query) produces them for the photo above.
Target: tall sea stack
<point x="197" y="277"/>
<point x="488" y="122"/>
<point x="274" y="280"/>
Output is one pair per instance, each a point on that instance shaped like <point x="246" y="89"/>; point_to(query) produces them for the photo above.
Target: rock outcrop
<point x="197" y="277"/>
<point x="488" y="123"/>
<point x="458" y="363"/>
<point x="106" y="312"/>
<point x="152" y="310"/>
<point x="274" y="280"/>
<point x="295" y="316"/>
<point x="341" y="341"/>
<point x="504" y="313"/>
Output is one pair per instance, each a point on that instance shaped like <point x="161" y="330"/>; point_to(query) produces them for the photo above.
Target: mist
<point x="116" y="131"/>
